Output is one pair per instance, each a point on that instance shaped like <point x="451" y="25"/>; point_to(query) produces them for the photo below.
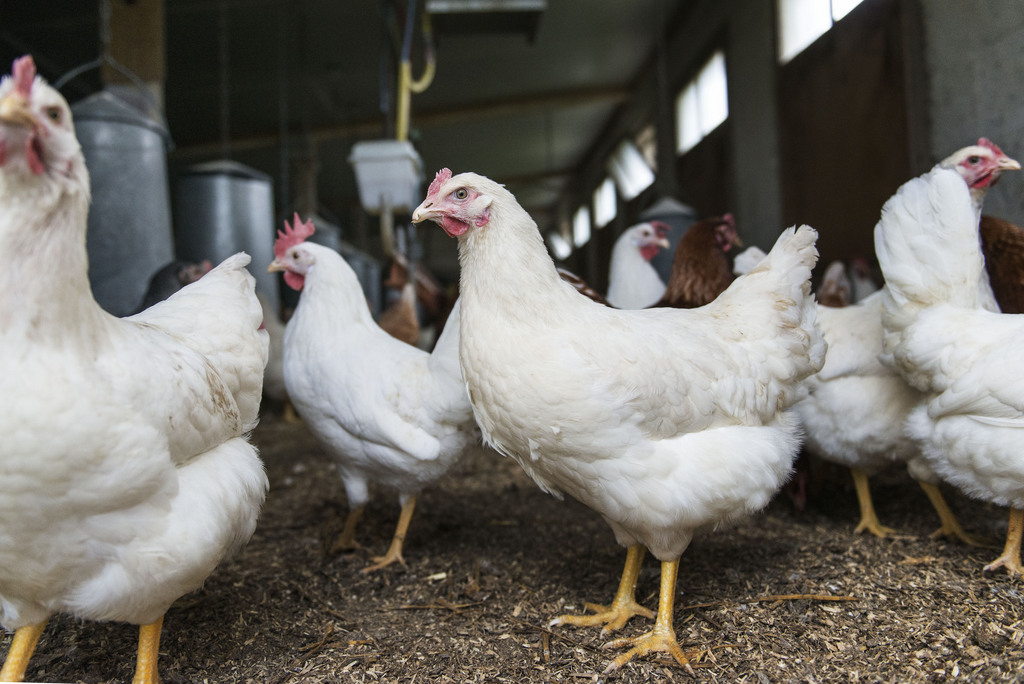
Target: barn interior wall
<point x="893" y="88"/>
<point x="973" y="50"/>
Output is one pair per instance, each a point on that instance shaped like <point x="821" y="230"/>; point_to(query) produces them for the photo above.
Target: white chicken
<point x="856" y="408"/>
<point x="944" y="336"/>
<point x="126" y="468"/>
<point x="386" y="411"/>
<point x="667" y="422"/>
<point x="860" y="277"/>
<point x="633" y="283"/>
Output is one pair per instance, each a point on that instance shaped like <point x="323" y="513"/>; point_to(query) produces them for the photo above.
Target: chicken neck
<point x="332" y="292"/>
<point x="505" y="261"/>
<point x="47" y="296"/>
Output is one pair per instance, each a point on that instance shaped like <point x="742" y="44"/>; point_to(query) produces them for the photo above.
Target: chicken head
<point x="650" y="237"/>
<point x="980" y="165"/>
<point x="290" y="258"/>
<point x="36" y="131"/>
<point x="456" y="209"/>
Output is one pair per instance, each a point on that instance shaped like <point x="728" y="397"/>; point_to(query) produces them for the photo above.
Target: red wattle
<point x="294" y="280"/>
<point x="453" y="227"/>
<point x="35" y="164"/>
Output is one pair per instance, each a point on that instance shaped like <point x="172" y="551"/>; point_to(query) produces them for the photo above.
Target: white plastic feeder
<point x="389" y="174"/>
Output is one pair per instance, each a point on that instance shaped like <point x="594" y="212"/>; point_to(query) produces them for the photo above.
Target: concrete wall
<point x="974" y="55"/>
<point x="962" y="78"/>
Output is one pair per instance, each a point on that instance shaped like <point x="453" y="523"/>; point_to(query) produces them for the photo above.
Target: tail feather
<point x="776" y="295"/>
<point x="220" y="317"/>
<point x="445" y="357"/>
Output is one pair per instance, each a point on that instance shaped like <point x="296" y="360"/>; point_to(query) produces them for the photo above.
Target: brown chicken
<point x="432" y="297"/>
<point x="582" y="286"/>
<point x="400" y="319"/>
<point x="702" y="268"/>
<point x="835" y="289"/>
<point x="1002" y="243"/>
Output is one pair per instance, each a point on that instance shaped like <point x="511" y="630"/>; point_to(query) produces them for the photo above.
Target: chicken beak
<point x="275" y="267"/>
<point x="423" y="213"/>
<point x="663" y="243"/>
<point x="1007" y="164"/>
<point x="14" y="110"/>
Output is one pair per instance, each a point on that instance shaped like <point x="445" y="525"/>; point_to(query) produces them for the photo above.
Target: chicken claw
<point x="623" y="606"/>
<point x="868" y="518"/>
<point x="149" y="649"/>
<point x="663" y="636"/>
<point x="1010" y="558"/>
<point x="394" y="552"/>
<point x="346" y="541"/>
<point x="658" y="639"/>
<point x="951" y="527"/>
<point x="22" y="647"/>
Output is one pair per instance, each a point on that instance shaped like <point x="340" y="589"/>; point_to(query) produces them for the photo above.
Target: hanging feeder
<point x="389" y="173"/>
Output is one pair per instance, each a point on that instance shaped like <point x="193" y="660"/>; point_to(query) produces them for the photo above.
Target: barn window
<point x="605" y="206"/>
<point x="632" y="174"/>
<point x="703" y="104"/>
<point x="581" y="226"/>
<point x="801" y="22"/>
<point x="559" y="246"/>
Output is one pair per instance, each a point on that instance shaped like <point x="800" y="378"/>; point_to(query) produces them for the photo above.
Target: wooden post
<point x="137" y="43"/>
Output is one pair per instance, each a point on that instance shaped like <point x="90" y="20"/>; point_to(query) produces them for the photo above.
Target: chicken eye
<point x="461" y="193"/>
<point x="54" y="114"/>
<point x="974" y="160"/>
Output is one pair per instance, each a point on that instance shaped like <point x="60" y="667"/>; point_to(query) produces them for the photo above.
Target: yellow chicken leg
<point x="1010" y="558"/>
<point x="394" y="552"/>
<point x="868" y="518"/>
<point x="346" y="541"/>
<point x="663" y="636"/>
<point x="950" y="525"/>
<point x="624" y="605"/>
<point x="149" y="651"/>
<point x="22" y="647"/>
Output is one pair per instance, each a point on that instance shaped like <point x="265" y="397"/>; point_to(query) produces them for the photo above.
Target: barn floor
<point x="491" y="559"/>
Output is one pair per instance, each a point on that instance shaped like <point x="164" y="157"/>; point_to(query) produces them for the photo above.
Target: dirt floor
<point x="491" y="559"/>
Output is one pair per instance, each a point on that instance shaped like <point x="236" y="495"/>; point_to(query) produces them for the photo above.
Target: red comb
<point x="662" y="229"/>
<point x="24" y="73"/>
<point x="294" y="234"/>
<point x="730" y="219"/>
<point x="985" y="142"/>
<point x="442" y="176"/>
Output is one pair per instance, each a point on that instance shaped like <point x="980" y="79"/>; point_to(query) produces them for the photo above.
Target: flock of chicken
<point x="669" y="409"/>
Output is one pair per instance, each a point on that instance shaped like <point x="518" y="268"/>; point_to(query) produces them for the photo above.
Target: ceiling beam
<point x="517" y="106"/>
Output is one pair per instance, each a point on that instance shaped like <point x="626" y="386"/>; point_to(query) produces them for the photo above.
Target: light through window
<point x="581" y="227"/>
<point x="703" y="105"/>
<point x="801" y="22"/>
<point x="631" y="172"/>
<point x="605" y="207"/>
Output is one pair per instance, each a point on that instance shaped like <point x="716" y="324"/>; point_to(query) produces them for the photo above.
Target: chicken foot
<point x="868" y="518"/>
<point x="623" y="606"/>
<point x="22" y="647"/>
<point x="951" y="527"/>
<point x="149" y="650"/>
<point x="1010" y="558"/>
<point x="663" y="636"/>
<point x="346" y="541"/>
<point x="394" y="552"/>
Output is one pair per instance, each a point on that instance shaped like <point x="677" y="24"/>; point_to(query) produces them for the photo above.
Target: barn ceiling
<point x="520" y="96"/>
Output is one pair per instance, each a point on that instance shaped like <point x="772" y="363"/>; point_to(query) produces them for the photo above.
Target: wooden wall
<point x="843" y="129"/>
